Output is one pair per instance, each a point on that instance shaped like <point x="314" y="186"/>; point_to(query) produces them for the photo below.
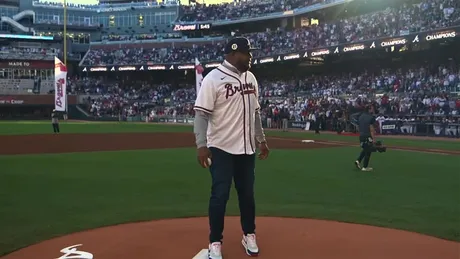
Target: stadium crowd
<point x="406" y="19"/>
<point x="133" y="97"/>
<point x="134" y="37"/>
<point x="204" y="12"/>
<point x="98" y="6"/>
<point x="15" y="53"/>
<point x="395" y="92"/>
<point x="238" y="10"/>
<point x="419" y="90"/>
<point x="60" y="4"/>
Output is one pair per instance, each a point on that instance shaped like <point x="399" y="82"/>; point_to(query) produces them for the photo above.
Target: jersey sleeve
<point x="206" y="97"/>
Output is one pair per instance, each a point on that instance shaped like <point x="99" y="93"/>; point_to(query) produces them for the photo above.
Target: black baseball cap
<point x="239" y="44"/>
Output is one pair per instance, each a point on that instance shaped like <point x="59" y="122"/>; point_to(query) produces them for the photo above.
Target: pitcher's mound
<point x="278" y="238"/>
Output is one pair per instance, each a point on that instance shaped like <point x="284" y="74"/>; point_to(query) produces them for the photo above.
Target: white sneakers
<point x="215" y="250"/>
<point x="358" y="164"/>
<point x="249" y="243"/>
<point x="365" y="169"/>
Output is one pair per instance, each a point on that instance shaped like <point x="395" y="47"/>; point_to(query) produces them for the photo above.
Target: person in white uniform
<point x="228" y="129"/>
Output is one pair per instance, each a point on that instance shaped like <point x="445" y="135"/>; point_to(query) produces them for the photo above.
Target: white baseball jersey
<point x="231" y="100"/>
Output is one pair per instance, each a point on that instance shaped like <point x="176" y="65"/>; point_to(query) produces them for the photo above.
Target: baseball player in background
<point x="228" y="128"/>
<point x="366" y="128"/>
<point x="55" y="121"/>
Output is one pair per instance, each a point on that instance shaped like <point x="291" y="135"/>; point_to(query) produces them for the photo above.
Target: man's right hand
<point x="203" y="154"/>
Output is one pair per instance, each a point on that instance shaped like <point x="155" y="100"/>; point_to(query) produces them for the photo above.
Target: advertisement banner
<point x="10" y="100"/>
<point x="318" y="54"/>
<point x="389" y="127"/>
<point x="192" y="27"/>
<point x="32" y="64"/>
<point x="28" y="99"/>
<point x="297" y="124"/>
<point x="60" y="83"/>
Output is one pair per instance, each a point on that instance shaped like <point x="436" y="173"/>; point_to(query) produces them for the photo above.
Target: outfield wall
<point x="433" y="126"/>
<point x="388" y="127"/>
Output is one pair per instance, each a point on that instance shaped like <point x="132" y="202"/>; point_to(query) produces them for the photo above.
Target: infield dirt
<point x="278" y="238"/>
<point x="66" y="143"/>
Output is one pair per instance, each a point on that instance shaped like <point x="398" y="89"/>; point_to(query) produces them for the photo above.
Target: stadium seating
<point x="16" y="86"/>
<point x="399" y="91"/>
<point x="388" y="22"/>
<point x="14" y="53"/>
<point x="239" y="10"/>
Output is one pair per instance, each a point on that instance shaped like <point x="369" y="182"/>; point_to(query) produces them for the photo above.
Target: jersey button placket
<point x="244" y="119"/>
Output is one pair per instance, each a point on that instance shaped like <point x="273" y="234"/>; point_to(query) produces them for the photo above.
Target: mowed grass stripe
<point x="42" y="196"/>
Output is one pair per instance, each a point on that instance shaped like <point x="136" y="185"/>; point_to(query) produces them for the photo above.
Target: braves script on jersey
<point x="232" y="100"/>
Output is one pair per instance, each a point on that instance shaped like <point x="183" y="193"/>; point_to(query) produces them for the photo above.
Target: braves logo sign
<point x="60" y="92"/>
<point x="71" y="252"/>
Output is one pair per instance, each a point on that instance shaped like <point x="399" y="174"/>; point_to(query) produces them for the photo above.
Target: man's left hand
<point x="264" y="150"/>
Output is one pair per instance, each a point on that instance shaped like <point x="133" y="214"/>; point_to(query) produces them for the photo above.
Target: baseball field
<point x="84" y="185"/>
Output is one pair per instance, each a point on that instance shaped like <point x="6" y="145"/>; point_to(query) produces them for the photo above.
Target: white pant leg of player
<point x="437" y="130"/>
<point x="269" y="123"/>
<point x="405" y="129"/>
<point x="409" y="129"/>
<point x="307" y="125"/>
<point x="451" y="131"/>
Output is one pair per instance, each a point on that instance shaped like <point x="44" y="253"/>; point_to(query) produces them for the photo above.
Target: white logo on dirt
<point x="72" y="253"/>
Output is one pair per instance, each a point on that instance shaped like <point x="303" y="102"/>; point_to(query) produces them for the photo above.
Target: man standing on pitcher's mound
<point x="227" y="126"/>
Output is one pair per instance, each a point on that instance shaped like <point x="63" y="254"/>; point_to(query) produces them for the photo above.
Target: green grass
<point x="40" y="127"/>
<point x="400" y="142"/>
<point x="43" y="196"/>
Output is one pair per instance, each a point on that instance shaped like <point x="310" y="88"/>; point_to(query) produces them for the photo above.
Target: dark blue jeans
<point x="55" y="127"/>
<point x="224" y="169"/>
<point x="366" y="150"/>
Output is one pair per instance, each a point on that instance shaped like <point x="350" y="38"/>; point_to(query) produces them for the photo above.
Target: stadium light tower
<point x="65" y="54"/>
